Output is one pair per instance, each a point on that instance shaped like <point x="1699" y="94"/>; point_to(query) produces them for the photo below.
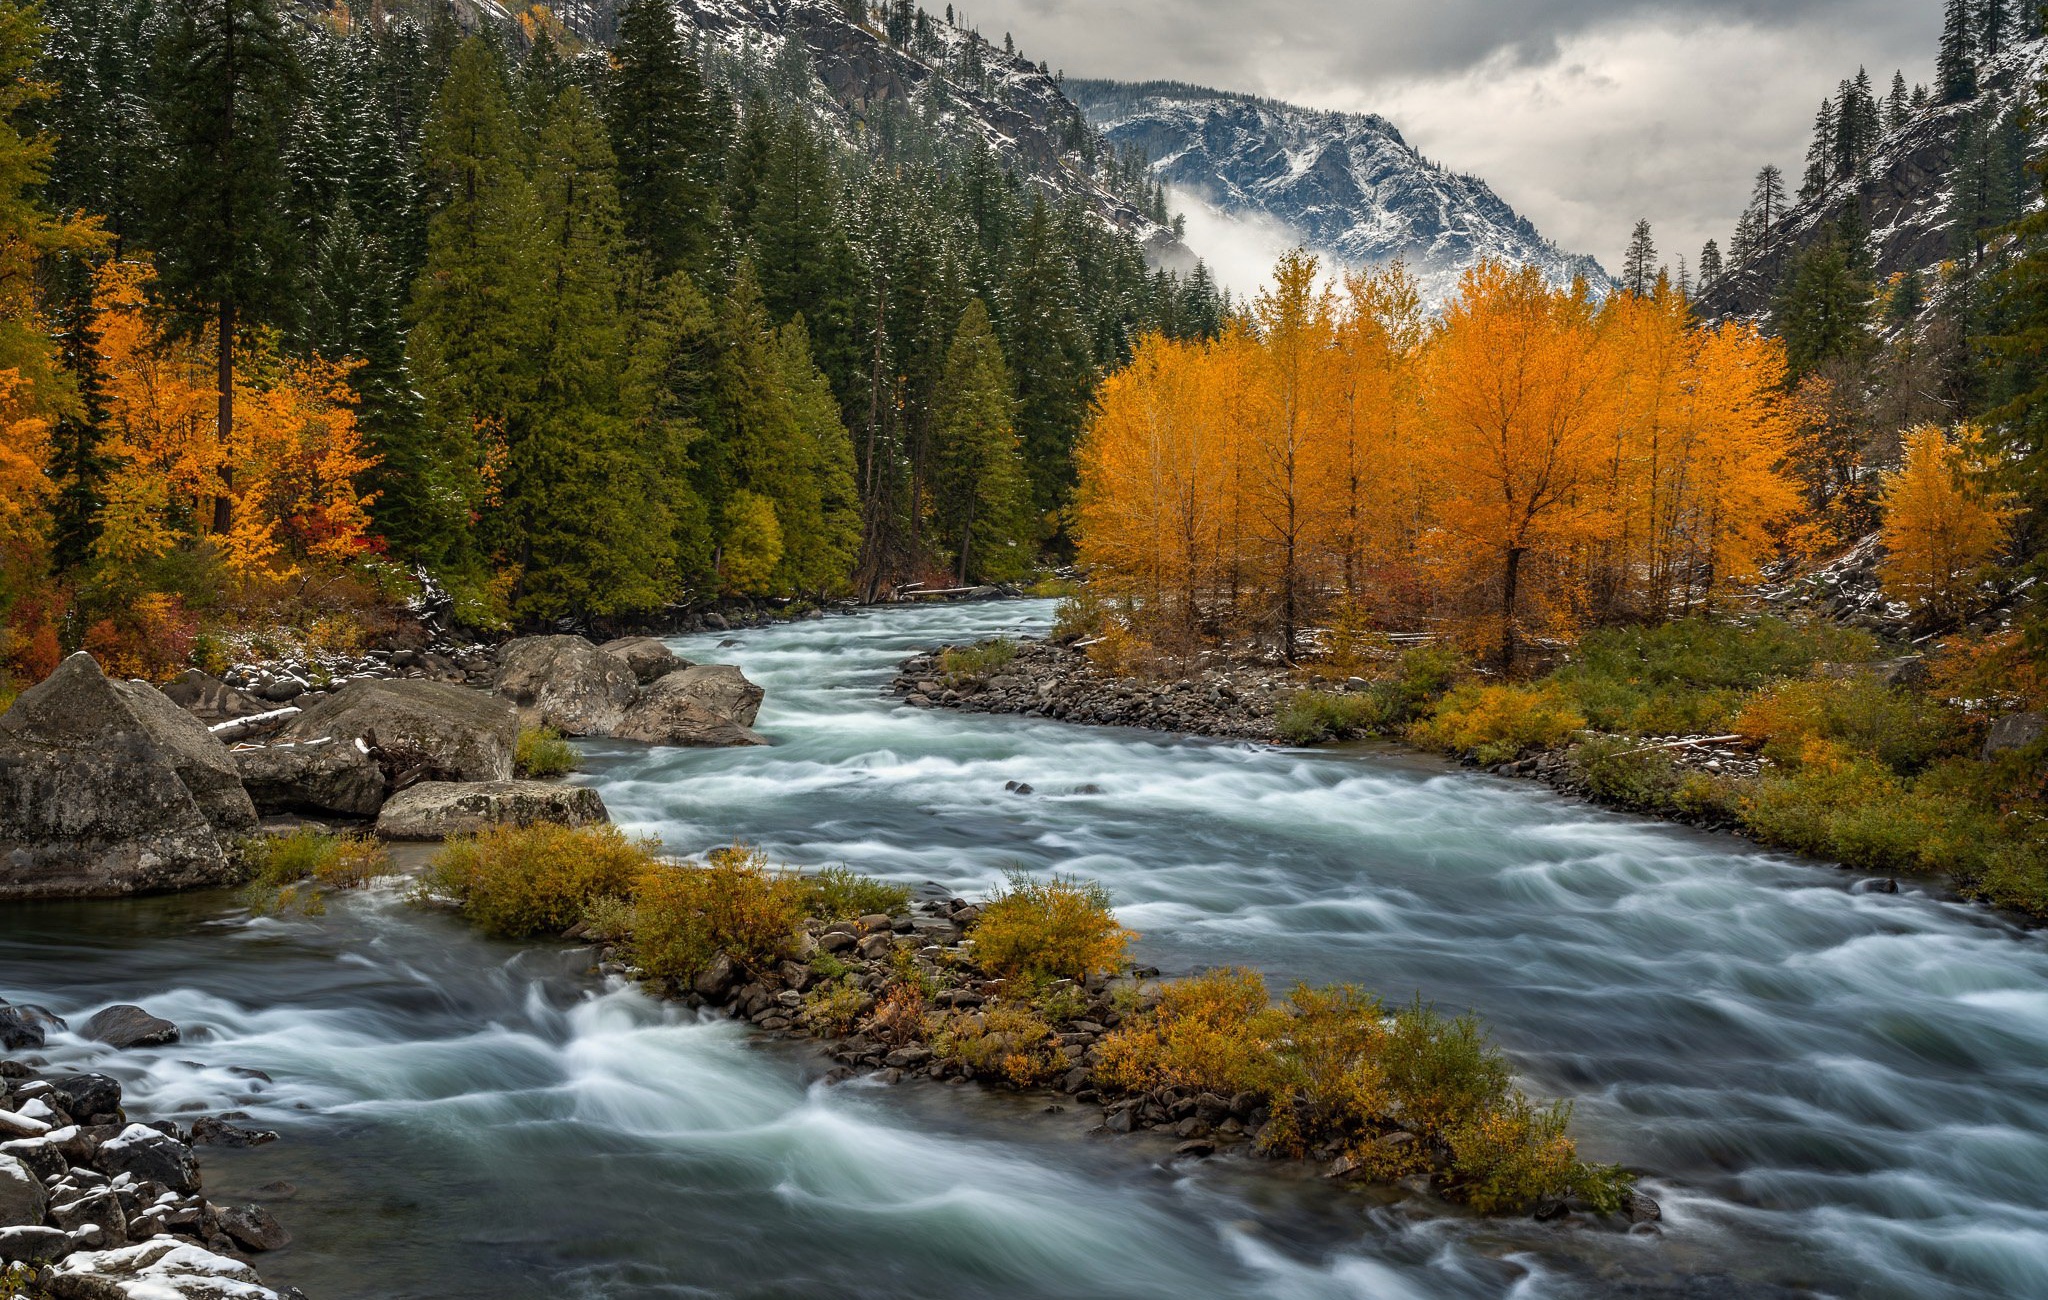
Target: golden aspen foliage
<point x="1941" y="524"/>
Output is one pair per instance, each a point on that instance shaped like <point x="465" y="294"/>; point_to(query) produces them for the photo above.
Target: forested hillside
<point x="304" y="300"/>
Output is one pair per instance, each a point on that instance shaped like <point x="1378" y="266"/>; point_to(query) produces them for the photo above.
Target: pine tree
<point x="1955" y="66"/>
<point x="1994" y="27"/>
<point x="1820" y="155"/>
<point x="819" y="510"/>
<point x="1710" y="265"/>
<point x="1048" y="356"/>
<point x="1898" y="105"/>
<point x="663" y="136"/>
<point x="1823" y="307"/>
<point x="224" y="82"/>
<point x="980" y="496"/>
<point x="669" y="372"/>
<point x="1639" y="264"/>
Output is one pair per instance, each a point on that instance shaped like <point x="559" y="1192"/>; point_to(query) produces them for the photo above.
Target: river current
<point x="1841" y="1092"/>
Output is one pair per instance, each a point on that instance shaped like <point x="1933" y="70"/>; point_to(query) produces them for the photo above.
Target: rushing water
<point x="1843" y="1093"/>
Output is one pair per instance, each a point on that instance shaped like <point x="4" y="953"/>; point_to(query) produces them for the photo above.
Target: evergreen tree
<point x="1907" y="297"/>
<point x="1994" y="27"/>
<point x="664" y="394"/>
<point x="1955" y="66"/>
<point x="663" y="136"/>
<point x="1898" y="105"/>
<point x="1820" y="155"/>
<point x="1048" y="356"/>
<point x="796" y="238"/>
<point x="224" y="81"/>
<point x="96" y="114"/>
<point x="1823" y="307"/>
<point x="818" y="506"/>
<point x="1639" y="264"/>
<point x="1710" y="265"/>
<point x="980" y="496"/>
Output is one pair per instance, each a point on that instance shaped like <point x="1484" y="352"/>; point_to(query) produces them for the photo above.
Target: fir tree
<point x="1823" y="307"/>
<point x="978" y="485"/>
<point x="224" y="82"/>
<point x="1049" y="358"/>
<point x="819" y="509"/>
<point x="1639" y="264"/>
<point x="663" y="136"/>
<point x="1710" y="265"/>
<point x="1955" y="66"/>
<point x="666" y="386"/>
<point x="1898" y="105"/>
<point x="1994" y="27"/>
<point x="1820" y="155"/>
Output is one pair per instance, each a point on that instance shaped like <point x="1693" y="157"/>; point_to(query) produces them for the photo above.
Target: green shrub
<point x="842" y="894"/>
<point x="1494" y="724"/>
<point x="1312" y="717"/>
<point x="542" y="753"/>
<point x="736" y="904"/>
<point x="959" y="666"/>
<point x="836" y="1008"/>
<point x="1620" y="770"/>
<point x="1001" y="1039"/>
<point x="1056" y="928"/>
<point x="338" y="861"/>
<point x="516" y="881"/>
<point x="1903" y="730"/>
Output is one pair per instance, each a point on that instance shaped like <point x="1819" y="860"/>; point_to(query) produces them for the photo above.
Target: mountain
<point x="1912" y="190"/>
<point x="1346" y="184"/>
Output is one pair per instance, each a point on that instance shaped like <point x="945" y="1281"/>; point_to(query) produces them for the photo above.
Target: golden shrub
<point x="1051" y="929"/>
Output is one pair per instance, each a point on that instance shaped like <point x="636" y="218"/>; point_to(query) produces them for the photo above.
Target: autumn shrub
<point x="1506" y="1158"/>
<point x="337" y="861"/>
<point x="835" y="1008"/>
<point x="542" y="753"/>
<point x="1055" y="928"/>
<point x="734" y="904"/>
<point x="1082" y="614"/>
<point x="516" y="881"/>
<point x="1312" y="717"/>
<point x="899" y="1017"/>
<point x="1441" y="1070"/>
<point x="961" y="665"/>
<point x="1622" y="770"/>
<point x="1002" y="1039"/>
<point x="1901" y="729"/>
<point x="1494" y="724"/>
<point x="842" y="894"/>
<point x="1210" y="1033"/>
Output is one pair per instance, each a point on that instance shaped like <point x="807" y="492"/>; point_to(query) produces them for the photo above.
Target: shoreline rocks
<point x="436" y="810"/>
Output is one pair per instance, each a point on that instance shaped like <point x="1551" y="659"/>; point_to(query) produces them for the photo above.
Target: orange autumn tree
<point x="1941" y="523"/>
<point x="294" y="449"/>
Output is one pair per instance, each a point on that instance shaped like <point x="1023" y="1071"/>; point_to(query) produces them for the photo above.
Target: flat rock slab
<point x="438" y="809"/>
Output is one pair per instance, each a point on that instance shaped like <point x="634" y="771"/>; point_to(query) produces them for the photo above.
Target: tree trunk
<point x="224" y="420"/>
<point x="1509" y="588"/>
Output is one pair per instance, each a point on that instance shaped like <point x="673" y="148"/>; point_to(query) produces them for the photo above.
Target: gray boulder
<point x="434" y="810"/>
<point x="108" y="788"/>
<point x="648" y="657"/>
<point x="152" y="1156"/>
<point x="416" y="730"/>
<point x="2014" y="731"/>
<point x="567" y="683"/>
<point x="253" y="1228"/>
<point x="709" y="704"/>
<point x="23" y="1202"/>
<point x="161" y="1268"/>
<point x="33" y="1245"/>
<point x="325" y="775"/>
<point x="124" y="1025"/>
<point x="210" y="699"/>
<point x="25" y="1027"/>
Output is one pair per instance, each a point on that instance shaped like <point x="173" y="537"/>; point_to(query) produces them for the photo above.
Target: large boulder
<point x="437" y="809"/>
<point x="108" y="788"/>
<point x="415" y="730"/>
<point x="162" y="1268"/>
<point x="126" y="1025"/>
<point x="2013" y="731"/>
<point x="151" y="1155"/>
<point x="316" y="776"/>
<point x="648" y="657"/>
<point x="23" y="1201"/>
<point x="210" y="699"/>
<point x="567" y="683"/>
<point x="709" y="704"/>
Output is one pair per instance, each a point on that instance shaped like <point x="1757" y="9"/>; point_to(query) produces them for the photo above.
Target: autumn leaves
<point x="1532" y="460"/>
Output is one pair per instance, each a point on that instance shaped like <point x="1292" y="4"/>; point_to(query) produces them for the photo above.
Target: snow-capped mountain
<point x="1346" y="185"/>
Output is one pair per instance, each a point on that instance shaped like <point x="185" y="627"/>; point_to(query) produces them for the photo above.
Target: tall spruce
<point x="1710" y="265"/>
<point x="1820" y="155"/>
<point x="1639" y="264"/>
<point x="980" y="496"/>
<point x="664" y="138"/>
<point x="224" y="81"/>
<point x="1955" y="65"/>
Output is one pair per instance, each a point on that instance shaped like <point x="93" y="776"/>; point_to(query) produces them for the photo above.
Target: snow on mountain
<point x="1347" y="184"/>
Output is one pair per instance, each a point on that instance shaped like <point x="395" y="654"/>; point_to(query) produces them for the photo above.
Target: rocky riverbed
<point x="97" y="1206"/>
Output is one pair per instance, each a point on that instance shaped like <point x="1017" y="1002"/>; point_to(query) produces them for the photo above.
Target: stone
<point x="714" y="979"/>
<point x="25" y="1027"/>
<point x="87" y="1095"/>
<point x="416" y="730"/>
<point x="33" y="1245"/>
<point x="40" y="1154"/>
<point x="14" y="1127"/>
<point x="162" y="1268"/>
<point x="123" y="1026"/>
<point x="2014" y="731"/>
<point x="315" y="776"/>
<point x="107" y="788"/>
<point x="1641" y="1208"/>
<point x="567" y="683"/>
<point x="649" y="658"/>
<point x="704" y="705"/>
<point x="211" y="1132"/>
<point x="151" y="1156"/>
<point x="253" y="1228"/>
<point x="210" y="699"/>
<point x="23" y="1202"/>
<point x="92" y="1207"/>
<point x="435" y="810"/>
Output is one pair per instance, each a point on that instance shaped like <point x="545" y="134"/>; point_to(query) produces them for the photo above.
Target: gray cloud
<point x="1585" y="114"/>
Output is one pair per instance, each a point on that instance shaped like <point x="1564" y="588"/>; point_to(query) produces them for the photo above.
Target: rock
<point x="151" y="1156"/>
<point x="2008" y="732"/>
<point x="124" y="1026"/>
<point x="649" y="658"/>
<point x="715" y="979"/>
<point x="254" y="1228"/>
<point x="161" y="1268"/>
<point x="434" y="810"/>
<point x="33" y="1245"/>
<point x="1641" y="1208"/>
<point x="73" y="1207"/>
<point x="107" y="788"/>
<point x="39" y="1154"/>
<point x="567" y="683"/>
<point x="1197" y="1148"/>
<point x="25" y="1028"/>
<point x="709" y="704"/>
<point x="86" y="1095"/>
<point x="210" y="699"/>
<point x="23" y="1202"/>
<point x="317" y="776"/>
<point x="14" y="1127"/>
<point x="416" y="730"/>
<point x="211" y="1132"/>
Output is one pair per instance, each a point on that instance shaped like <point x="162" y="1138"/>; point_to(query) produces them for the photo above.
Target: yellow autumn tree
<point x="1941" y="523"/>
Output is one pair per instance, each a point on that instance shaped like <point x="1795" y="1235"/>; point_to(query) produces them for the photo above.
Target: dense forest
<point x="304" y="303"/>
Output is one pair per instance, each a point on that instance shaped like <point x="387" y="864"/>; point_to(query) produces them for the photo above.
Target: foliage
<point x="1386" y="706"/>
<point x="734" y="904"/>
<point x="1820" y="719"/>
<point x="542" y="753"/>
<point x="842" y="894"/>
<point x="959" y="665"/>
<point x="836" y="1008"/>
<point x="339" y="861"/>
<point x="1056" y="928"/>
<point x="1494" y="724"/>
<point x="1942" y="525"/>
<point x="516" y="881"/>
<point x="1008" y="1041"/>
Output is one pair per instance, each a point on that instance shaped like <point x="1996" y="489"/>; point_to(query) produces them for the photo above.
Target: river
<point x="1842" y="1092"/>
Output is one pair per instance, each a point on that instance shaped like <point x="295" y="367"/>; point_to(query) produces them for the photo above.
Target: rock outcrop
<point x="416" y="730"/>
<point x="108" y="788"/>
<point x="438" y="809"/>
<point x="566" y="682"/>
<point x="708" y="704"/>
<point x="648" y="657"/>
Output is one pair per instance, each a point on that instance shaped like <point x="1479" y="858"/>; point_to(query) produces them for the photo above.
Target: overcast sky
<point x="1583" y="114"/>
